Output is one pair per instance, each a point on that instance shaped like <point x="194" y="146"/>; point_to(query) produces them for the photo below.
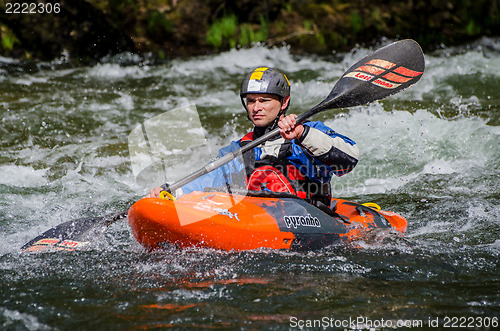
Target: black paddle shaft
<point x="387" y="71"/>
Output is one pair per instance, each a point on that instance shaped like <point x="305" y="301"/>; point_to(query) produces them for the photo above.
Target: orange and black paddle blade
<point x="71" y="235"/>
<point x="387" y="71"/>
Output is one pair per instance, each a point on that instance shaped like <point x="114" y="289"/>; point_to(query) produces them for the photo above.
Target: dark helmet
<point x="265" y="80"/>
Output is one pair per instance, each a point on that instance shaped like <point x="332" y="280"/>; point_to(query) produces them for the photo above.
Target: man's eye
<point x="260" y="100"/>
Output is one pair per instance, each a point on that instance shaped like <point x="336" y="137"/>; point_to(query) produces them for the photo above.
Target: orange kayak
<point x="256" y="220"/>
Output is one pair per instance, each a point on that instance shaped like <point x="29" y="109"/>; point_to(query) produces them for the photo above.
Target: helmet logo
<point x="257" y="73"/>
<point x="257" y="85"/>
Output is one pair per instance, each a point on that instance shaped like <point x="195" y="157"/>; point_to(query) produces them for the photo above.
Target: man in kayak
<point x="301" y="161"/>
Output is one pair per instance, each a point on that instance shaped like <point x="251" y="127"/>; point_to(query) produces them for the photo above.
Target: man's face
<point x="264" y="108"/>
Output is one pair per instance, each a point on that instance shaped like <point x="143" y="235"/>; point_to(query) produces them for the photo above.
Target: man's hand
<point x="154" y="193"/>
<point x="289" y="128"/>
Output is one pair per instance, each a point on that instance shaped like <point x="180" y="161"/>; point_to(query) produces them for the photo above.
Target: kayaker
<point x="301" y="161"/>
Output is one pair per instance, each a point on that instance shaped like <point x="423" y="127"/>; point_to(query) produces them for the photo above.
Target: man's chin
<point x="260" y="123"/>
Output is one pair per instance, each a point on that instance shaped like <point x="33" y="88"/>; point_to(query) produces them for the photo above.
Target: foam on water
<point x="399" y="146"/>
<point x="21" y="176"/>
<point x="234" y="62"/>
<point x="111" y="71"/>
<point x="18" y="320"/>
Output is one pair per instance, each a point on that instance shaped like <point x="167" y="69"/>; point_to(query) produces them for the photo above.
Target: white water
<point x="430" y="153"/>
<point x="74" y="170"/>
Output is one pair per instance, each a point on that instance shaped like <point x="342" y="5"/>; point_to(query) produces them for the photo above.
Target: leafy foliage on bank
<point x="90" y="29"/>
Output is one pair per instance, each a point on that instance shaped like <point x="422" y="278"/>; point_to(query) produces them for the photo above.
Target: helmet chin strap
<point x="276" y="120"/>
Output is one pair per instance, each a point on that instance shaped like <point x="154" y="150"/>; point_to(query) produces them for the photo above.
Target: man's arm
<point x="338" y="152"/>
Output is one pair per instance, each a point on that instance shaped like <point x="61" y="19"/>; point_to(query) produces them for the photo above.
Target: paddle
<point x="387" y="71"/>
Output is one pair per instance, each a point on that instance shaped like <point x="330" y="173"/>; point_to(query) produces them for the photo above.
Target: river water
<point x="430" y="153"/>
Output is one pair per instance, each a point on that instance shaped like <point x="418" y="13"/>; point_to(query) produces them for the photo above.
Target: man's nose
<point x="258" y="105"/>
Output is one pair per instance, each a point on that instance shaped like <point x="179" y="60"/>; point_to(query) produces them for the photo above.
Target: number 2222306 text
<point x="32" y="8"/>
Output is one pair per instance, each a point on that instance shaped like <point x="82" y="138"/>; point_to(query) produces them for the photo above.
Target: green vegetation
<point x="227" y="33"/>
<point x="158" y="25"/>
<point x="8" y="38"/>
<point x="223" y="32"/>
<point x="90" y="29"/>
